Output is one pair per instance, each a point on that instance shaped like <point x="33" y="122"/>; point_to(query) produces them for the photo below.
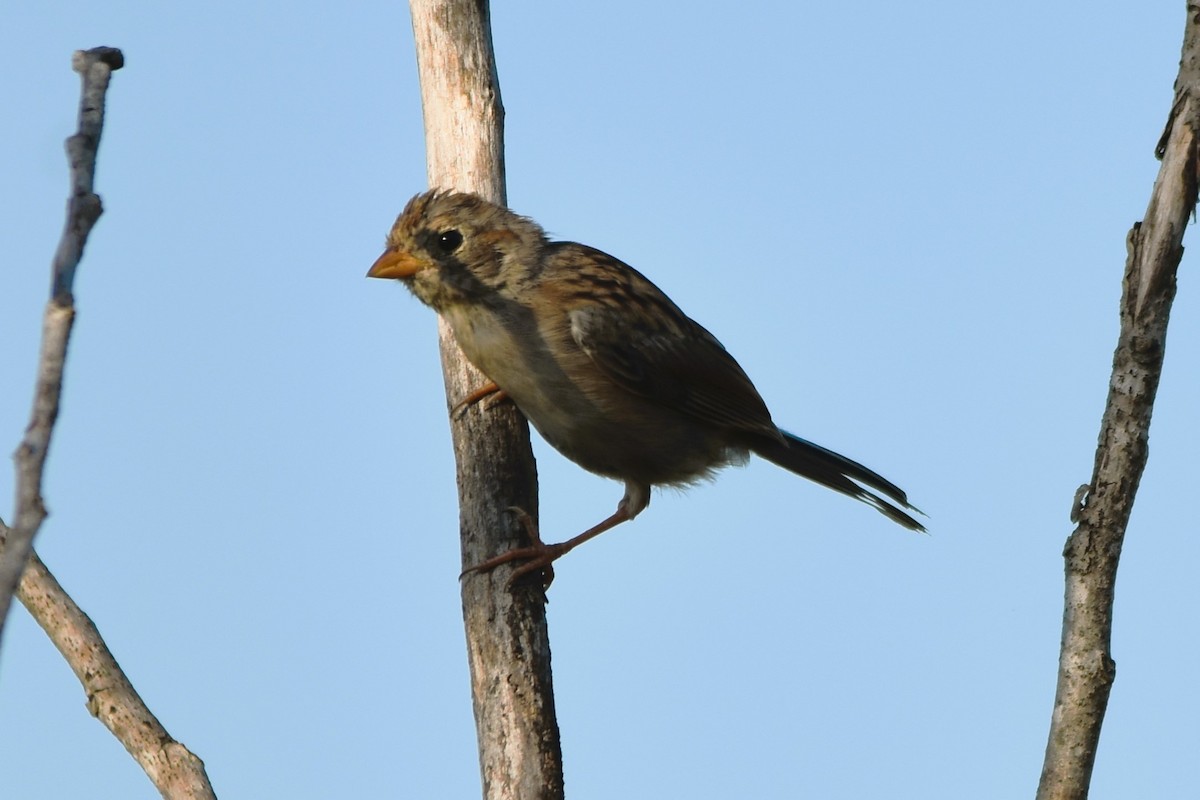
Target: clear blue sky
<point x="906" y="221"/>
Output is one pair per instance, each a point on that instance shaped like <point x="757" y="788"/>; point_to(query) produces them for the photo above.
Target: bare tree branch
<point x="174" y="770"/>
<point x="508" y="642"/>
<point x="1086" y="669"/>
<point x="83" y="209"/>
<point x="177" y="773"/>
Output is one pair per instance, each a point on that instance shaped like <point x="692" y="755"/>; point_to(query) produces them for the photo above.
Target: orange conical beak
<point x="394" y="264"/>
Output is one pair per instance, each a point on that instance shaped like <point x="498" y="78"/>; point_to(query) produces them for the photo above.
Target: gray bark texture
<point x="175" y="771"/>
<point x="1155" y="245"/>
<point x="508" y="645"/>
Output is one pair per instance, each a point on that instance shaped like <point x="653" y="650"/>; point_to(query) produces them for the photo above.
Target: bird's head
<point x="452" y="247"/>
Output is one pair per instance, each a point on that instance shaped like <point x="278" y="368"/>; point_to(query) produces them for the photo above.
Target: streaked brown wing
<point x="642" y="341"/>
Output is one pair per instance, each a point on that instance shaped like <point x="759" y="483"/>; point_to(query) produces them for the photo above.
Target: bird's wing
<point x="641" y="341"/>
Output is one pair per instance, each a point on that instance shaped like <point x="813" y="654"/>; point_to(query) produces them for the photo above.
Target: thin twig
<point x="83" y="209"/>
<point x="175" y="771"/>
<point x="1086" y="667"/>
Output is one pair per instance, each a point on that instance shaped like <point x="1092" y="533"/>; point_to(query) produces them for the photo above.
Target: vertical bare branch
<point x="1086" y="668"/>
<point x="83" y="209"/>
<point x="177" y="773"/>
<point x="507" y="639"/>
<point x="174" y="770"/>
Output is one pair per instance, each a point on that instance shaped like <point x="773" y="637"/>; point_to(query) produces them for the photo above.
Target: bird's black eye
<point x="448" y="241"/>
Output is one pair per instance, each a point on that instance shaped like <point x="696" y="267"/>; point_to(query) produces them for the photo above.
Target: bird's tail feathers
<point x="839" y="473"/>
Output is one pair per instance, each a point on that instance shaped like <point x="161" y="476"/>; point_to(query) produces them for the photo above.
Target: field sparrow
<point x="601" y="362"/>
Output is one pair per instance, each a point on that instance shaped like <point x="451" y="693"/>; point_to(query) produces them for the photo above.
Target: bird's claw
<point x="541" y="555"/>
<point x="490" y="393"/>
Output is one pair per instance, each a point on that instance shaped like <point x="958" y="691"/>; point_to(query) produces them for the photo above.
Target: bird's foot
<point x="541" y="555"/>
<point x="489" y="391"/>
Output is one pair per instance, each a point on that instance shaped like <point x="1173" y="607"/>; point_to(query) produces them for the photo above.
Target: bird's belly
<point x="636" y="442"/>
<point x="612" y="433"/>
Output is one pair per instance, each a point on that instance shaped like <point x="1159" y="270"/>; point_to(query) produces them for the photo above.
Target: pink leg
<point x="542" y="556"/>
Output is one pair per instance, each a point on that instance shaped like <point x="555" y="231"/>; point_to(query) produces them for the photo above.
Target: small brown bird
<point x="609" y="370"/>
